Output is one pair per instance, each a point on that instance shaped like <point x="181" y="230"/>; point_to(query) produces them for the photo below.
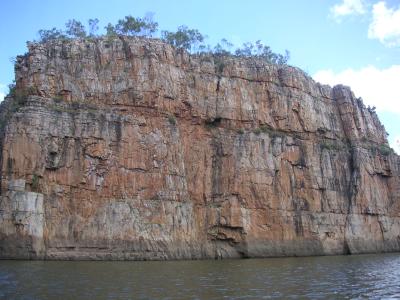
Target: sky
<point x="352" y="42"/>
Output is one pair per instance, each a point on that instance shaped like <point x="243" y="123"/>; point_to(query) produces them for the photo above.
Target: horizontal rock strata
<point x="127" y="148"/>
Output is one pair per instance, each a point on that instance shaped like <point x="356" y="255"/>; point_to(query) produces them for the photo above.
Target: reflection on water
<point x="372" y="276"/>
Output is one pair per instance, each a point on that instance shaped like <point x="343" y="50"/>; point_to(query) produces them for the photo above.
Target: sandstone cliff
<point x="126" y="148"/>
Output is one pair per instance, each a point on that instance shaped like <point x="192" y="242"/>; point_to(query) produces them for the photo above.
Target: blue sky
<point x="355" y="42"/>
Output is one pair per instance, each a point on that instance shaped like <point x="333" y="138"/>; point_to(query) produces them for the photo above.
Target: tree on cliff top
<point x="110" y="30"/>
<point x="135" y="26"/>
<point x="75" y="29"/>
<point x="259" y="50"/>
<point x="50" y="34"/>
<point x="93" y="26"/>
<point x="184" y="37"/>
<point x="223" y="48"/>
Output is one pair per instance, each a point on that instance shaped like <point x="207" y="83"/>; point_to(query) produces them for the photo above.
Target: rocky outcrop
<point x="127" y="148"/>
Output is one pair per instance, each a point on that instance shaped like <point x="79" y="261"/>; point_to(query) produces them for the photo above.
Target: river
<point x="330" y="277"/>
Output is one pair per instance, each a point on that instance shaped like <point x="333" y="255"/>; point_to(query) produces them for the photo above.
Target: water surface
<point x="335" y="277"/>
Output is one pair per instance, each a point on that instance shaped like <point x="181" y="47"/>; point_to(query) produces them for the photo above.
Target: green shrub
<point x="381" y="149"/>
<point x="35" y="183"/>
<point x="257" y="131"/>
<point x="219" y="63"/>
<point x="172" y="119"/>
<point x="58" y="99"/>
<point x="330" y="145"/>
<point x="240" y="131"/>
<point x="184" y="38"/>
<point x="384" y="150"/>
<point x="261" y="51"/>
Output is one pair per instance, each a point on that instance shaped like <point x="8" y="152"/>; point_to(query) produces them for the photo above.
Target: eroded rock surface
<point x="129" y="149"/>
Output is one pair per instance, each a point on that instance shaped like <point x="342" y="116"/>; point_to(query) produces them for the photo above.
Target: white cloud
<point x="3" y="89"/>
<point x="395" y="144"/>
<point x="377" y="87"/>
<point x="348" y="7"/>
<point x="385" y="24"/>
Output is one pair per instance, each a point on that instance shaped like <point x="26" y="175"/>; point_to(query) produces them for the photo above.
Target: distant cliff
<point x="126" y="148"/>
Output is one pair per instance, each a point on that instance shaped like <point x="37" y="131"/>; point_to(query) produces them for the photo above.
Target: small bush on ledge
<point x="257" y="131"/>
<point x="172" y="119"/>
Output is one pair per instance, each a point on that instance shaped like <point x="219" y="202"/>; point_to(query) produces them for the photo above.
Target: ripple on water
<point x="345" y="277"/>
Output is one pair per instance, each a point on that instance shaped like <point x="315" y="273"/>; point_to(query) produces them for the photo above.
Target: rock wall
<point x="127" y="148"/>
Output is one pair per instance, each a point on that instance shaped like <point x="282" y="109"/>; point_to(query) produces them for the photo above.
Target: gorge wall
<point x="127" y="148"/>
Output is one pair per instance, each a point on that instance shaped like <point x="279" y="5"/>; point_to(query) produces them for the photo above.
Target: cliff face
<point x="129" y="149"/>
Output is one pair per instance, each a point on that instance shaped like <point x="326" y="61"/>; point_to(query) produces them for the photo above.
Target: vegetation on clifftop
<point x="192" y="40"/>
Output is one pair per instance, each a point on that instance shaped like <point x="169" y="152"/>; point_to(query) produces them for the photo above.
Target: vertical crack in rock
<point x="352" y="196"/>
<point x="216" y="168"/>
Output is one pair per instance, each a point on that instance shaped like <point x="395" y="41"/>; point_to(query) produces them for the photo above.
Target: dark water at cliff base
<point x="335" y="277"/>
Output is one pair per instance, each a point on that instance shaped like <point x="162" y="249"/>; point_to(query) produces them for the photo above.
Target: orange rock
<point x="131" y="149"/>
